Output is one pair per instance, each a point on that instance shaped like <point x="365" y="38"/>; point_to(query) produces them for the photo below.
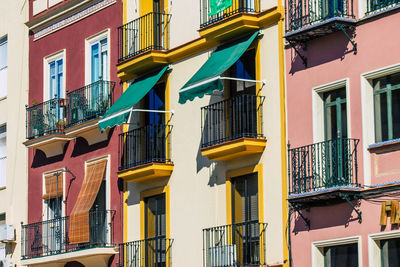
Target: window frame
<point x="45" y="205"/>
<point x="46" y="73"/>
<point x="88" y="53"/>
<point x="4" y="41"/>
<point x="374" y="246"/>
<point x="3" y="135"/>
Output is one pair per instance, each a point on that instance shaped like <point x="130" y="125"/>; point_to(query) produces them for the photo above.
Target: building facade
<point x="204" y="133"/>
<point x="74" y="198"/>
<point x="13" y="155"/>
<point x="342" y="73"/>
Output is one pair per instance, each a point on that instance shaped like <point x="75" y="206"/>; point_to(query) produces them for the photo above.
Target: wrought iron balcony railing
<point x="302" y="13"/>
<point x="378" y="5"/>
<point x="155" y="251"/>
<point x="230" y="119"/>
<point x="51" y="237"/>
<point x="238" y="6"/>
<point x="239" y="244"/>
<point x="89" y="102"/>
<point x="323" y="165"/>
<point x="149" y="32"/>
<point x="144" y="145"/>
<point x="46" y="118"/>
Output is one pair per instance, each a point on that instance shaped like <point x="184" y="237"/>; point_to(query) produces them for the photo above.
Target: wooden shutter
<point x="79" y="218"/>
<point x="51" y="186"/>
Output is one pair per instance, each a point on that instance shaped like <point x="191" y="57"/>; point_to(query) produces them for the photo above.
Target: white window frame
<point x="317" y="249"/>
<point x="318" y="107"/>
<point x="4" y="135"/>
<point x="44" y="207"/>
<point x="367" y="113"/>
<point x="4" y="40"/>
<point x="88" y="59"/>
<point x="374" y="249"/>
<point x="46" y="72"/>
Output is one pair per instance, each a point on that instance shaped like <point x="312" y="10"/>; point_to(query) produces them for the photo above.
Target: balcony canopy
<point x="208" y="78"/>
<point x="119" y="112"/>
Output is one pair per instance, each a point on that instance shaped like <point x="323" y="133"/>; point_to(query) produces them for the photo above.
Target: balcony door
<point x="332" y="8"/>
<point x="158" y="26"/>
<point x="155" y="231"/>
<point x="99" y="72"/>
<point x="97" y="218"/>
<point x="337" y="148"/>
<point x="246" y="231"/>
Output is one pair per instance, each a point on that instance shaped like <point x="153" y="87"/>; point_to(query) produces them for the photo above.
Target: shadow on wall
<point x="322" y="50"/>
<point x="82" y="147"/>
<point x="40" y="159"/>
<point x="74" y="264"/>
<point x="326" y="216"/>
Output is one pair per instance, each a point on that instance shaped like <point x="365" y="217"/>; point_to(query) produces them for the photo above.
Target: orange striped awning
<point x="51" y="186"/>
<point x="79" y="218"/>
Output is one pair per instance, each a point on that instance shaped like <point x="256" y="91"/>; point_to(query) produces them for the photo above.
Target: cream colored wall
<point x="13" y="198"/>
<point x="197" y="185"/>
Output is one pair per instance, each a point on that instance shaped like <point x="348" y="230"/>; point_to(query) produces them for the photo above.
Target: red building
<point x="74" y="210"/>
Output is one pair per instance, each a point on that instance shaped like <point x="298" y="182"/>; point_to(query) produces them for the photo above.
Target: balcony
<point x="376" y="6"/>
<point x="148" y="252"/>
<point x="47" y="242"/>
<point x="233" y="128"/>
<point x="141" y="43"/>
<point x="240" y="244"/>
<point x="323" y="171"/>
<point x="143" y="153"/>
<point x="309" y="19"/>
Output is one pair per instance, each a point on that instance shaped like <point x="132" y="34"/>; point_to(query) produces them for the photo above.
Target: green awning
<point x="207" y="78"/>
<point x="119" y="112"/>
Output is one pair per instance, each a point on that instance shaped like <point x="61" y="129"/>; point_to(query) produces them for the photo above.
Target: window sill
<point x="3" y="98"/>
<point x="3" y="188"/>
<point x="381" y="12"/>
<point x="385" y="146"/>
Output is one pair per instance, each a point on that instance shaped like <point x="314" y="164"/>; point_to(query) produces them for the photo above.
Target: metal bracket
<point x="340" y="26"/>
<point x="303" y="58"/>
<point x="359" y="213"/>
<point x="306" y="220"/>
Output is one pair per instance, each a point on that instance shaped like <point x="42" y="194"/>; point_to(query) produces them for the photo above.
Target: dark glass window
<point x="335" y="114"/>
<point x="244" y="68"/>
<point x="341" y="256"/>
<point x="245" y="198"/>
<point x="390" y="252"/>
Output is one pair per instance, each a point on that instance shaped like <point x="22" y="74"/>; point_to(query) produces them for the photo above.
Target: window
<point x="3" y="156"/>
<point x="335" y="114"/>
<point x="387" y="107"/>
<point x="341" y="256"/>
<point x="3" y="66"/>
<point x="99" y="60"/>
<point x="54" y="76"/>
<point x="390" y="252"/>
<point x="2" y="218"/>
<point x="245" y="198"/>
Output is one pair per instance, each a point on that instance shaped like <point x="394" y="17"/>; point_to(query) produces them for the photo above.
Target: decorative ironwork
<point x="323" y="165"/>
<point x="379" y="5"/>
<point x="149" y="32"/>
<point x="238" y="6"/>
<point x="52" y="236"/>
<point x="46" y="118"/>
<point x="155" y="251"/>
<point x="144" y="145"/>
<point x="230" y="119"/>
<point x="89" y="102"/>
<point x="239" y="244"/>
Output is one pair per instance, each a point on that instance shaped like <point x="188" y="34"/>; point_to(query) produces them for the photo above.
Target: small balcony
<point x="309" y="19"/>
<point x="155" y="251"/>
<point x="141" y="41"/>
<point x="48" y="241"/>
<point x="376" y="6"/>
<point x="233" y="128"/>
<point x="240" y="244"/>
<point x="322" y="170"/>
<point x="143" y="153"/>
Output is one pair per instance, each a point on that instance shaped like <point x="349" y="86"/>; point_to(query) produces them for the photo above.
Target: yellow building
<point x="203" y="153"/>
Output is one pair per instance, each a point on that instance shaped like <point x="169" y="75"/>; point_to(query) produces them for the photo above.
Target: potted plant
<point x="60" y="125"/>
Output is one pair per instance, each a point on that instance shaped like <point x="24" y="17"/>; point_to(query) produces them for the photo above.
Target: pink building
<point x="343" y="117"/>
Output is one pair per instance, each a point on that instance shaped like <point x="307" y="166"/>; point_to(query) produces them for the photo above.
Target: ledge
<point x="88" y="130"/>
<point x="51" y="145"/>
<point x="234" y="149"/>
<point x="387" y="146"/>
<point x="88" y="257"/>
<point x="146" y="172"/>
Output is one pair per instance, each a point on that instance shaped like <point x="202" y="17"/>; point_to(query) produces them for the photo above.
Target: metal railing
<point x="52" y="236"/>
<point x="238" y="6"/>
<point x="302" y="13"/>
<point x="155" y="252"/>
<point x="46" y="118"/>
<point x="149" y="32"/>
<point x="89" y="102"/>
<point x="230" y="119"/>
<point x="323" y="165"/>
<point x="144" y="145"/>
<point x="239" y="244"/>
<point x="378" y="5"/>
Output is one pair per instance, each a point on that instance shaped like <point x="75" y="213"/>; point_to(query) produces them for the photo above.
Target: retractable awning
<point x="119" y="112"/>
<point x="208" y="78"/>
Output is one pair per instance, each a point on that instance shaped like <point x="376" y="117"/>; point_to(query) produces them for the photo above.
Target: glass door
<point x="98" y="99"/>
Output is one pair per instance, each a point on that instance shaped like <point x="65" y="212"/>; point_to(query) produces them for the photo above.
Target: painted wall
<point x="13" y="200"/>
<point x="330" y="59"/>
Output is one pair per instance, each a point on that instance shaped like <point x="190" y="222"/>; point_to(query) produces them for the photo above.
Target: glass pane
<point x="155" y="216"/>
<point x="390" y="252"/>
<point x="245" y="201"/>
<point x="3" y="82"/>
<point x="60" y="82"/>
<point x="2" y="218"/>
<point x="381" y="123"/>
<point x="396" y="113"/>
<point x="341" y="256"/>
<point x="331" y="122"/>
<point x="3" y="54"/>
<point x="52" y="82"/>
<point x="95" y="63"/>
<point x="343" y="113"/>
<point x="395" y="79"/>
<point x="104" y="60"/>
<point x="379" y="83"/>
